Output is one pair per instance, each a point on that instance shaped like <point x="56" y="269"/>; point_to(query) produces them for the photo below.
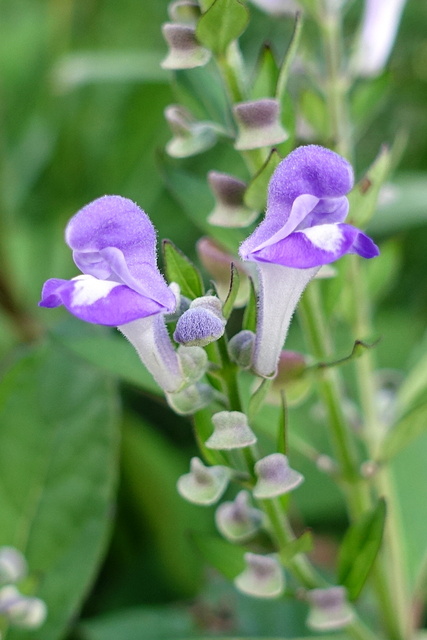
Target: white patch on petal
<point x="88" y="290"/>
<point x="327" y="237"/>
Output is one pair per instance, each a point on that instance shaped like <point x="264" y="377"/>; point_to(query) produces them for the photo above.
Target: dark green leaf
<point x="58" y="458"/>
<point x="250" y="315"/>
<point x="222" y="23"/>
<point x="364" y="197"/>
<point x="232" y="294"/>
<point x="359" y="549"/>
<point x="256" y="194"/>
<point x="181" y="270"/>
<point x="227" y="558"/>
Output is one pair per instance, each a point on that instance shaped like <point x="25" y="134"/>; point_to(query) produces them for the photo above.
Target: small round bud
<point x="193" y="361"/>
<point x="230" y="209"/>
<point x="231" y="431"/>
<point x="22" y="611"/>
<point x="238" y="521"/>
<point x="13" y="565"/>
<point x="198" y="327"/>
<point x="290" y="378"/>
<point x="275" y="477"/>
<point x="258" y="124"/>
<point x="184" y="50"/>
<point x="329" y="609"/>
<point x="203" y="485"/>
<point x="241" y="348"/>
<point x="262" y="578"/>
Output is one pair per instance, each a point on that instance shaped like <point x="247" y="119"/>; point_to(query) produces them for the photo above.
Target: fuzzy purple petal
<point x="98" y="301"/>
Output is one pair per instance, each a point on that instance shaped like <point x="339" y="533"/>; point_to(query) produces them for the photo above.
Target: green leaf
<point x="314" y="111"/>
<point x="232" y="294"/>
<point x="407" y="429"/>
<point x="225" y="557"/>
<point x="140" y="623"/>
<point x="256" y="194"/>
<point x="58" y="458"/>
<point x="151" y="468"/>
<point x="364" y="196"/>
<point x="282" y="81"/>
<point x="222" y="23"/>
<point x="359" y="549"/>
<point x="250" y="315"/>
<point x="257" y="399"/>
<point x="367" y="97"/>
<point x="266" y="74"/>
<point x="181" y="270"/>
<point x="282" y="438"/>
<point x="303" y="544"/>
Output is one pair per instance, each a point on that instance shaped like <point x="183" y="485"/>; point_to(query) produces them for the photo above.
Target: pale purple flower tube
<point x="114" y="245"/>
<point x="303" y="229"/>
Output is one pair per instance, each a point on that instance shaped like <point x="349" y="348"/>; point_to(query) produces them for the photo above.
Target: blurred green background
<point x="82" y="99"/>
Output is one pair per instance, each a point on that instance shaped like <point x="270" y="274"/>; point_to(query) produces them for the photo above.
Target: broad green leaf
<point x="266" y="74"/>
<point x="222" y="23"/>
<point x="250" y="315"/>
<point x="151" y="468"/>
<point x="303" y="544"/>
<point x="181" y="270"/>
<point x="232" y="294"/>
<point x="111" y="353"/>
<point x="364" y="196"/>
<point x="282" y="81"/>
<point x="142" y="623"/>
<point x="58" y="459"/>
<point x="359" y="549"/>
<point x="227" y="558"/>
<point x="367" y="96"/>
<point x="256" y="194"/>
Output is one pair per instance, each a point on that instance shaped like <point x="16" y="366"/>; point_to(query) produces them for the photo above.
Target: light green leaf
<point x="407" y="429"/>
<point x="232" y="294"/>
<point x="359" y="549"/>
<point x="289" y="58"/>
<point x="222" y="23"/>
<point x="250" y="315"/>
<point x="181" y="270"/>
<point x="266" y="74"/>
<point x="256" y="194"/>
<point x="314" y="111"/>
<point x="258" y="398"/>
<point x="58" y="459"/>
<point x="364" y="196"/>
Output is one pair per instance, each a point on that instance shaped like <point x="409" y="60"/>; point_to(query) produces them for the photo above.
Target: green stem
<point x="229" y="376"/>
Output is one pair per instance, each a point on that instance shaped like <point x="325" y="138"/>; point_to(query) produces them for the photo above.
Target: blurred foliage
<point x="82" y="100"/>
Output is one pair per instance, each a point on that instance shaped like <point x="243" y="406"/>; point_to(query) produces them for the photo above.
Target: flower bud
<point x="241" y="348"/>
<point x="230" y="209"/>
<point x="184" y="50"/>
<point x="217" y="262"/>
<point x="191" y="399"/>
<point x="201" y="324"/>
<point x="290" y="379"/>
<point x="262" y="578"/>
<point x="231" y="431"/>
<point x="203" y="485"/>
<point x="258" y="124"/>
<point x="238" y="521"/>
<point x="184" y="11"/>
<point x="20" y="610"/>
<point x="190" y="137"/>
<point x="13" y="565"/>
<point x="194" y="362"/>
<point x="275" y="477"/>
<point x="329" y="609"/>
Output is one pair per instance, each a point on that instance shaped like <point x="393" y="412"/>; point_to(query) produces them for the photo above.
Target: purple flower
<point x="303" y="229"/>
<point x="114" y="245"/>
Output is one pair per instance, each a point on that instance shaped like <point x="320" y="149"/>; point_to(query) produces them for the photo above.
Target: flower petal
<point x="98" y="301"/>
<point x="318" y="245"/>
